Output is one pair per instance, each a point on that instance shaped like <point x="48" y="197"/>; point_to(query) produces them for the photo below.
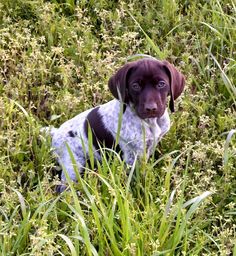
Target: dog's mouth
<point x="145" y="115"/>
<point x="149" y="114"/>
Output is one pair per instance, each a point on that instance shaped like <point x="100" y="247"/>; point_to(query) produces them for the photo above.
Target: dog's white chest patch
<point x="152" y="135"/>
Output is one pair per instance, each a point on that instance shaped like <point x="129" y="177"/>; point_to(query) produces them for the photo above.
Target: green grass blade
<point x="22" y="202"/>
<point x="229" y="85"/>
<point x="84" y="229"/>
<point x="215" y="31"/>
<point x="226" y="146"/>
<point x="157" y="50"/>
<point x="69" y="243"/>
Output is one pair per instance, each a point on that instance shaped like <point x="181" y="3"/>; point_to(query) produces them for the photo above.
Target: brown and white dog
<point x="142" y="87"/>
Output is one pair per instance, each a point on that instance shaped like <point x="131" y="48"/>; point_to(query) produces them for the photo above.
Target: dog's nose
<point x="151" y="107"/>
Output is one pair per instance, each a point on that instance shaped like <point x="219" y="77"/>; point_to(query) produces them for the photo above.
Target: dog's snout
<point x="151" y="107"/>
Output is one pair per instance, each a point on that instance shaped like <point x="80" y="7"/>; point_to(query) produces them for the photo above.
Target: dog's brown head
<point x="146" y="84"/>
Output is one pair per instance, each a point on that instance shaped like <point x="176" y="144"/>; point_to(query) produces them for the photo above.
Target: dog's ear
<point x="118" y="83"/>
<point x="177" y="82"/>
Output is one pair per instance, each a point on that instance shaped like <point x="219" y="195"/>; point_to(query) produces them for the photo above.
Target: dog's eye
<point x="136" y="86"/>
<point x="161" y="84"/>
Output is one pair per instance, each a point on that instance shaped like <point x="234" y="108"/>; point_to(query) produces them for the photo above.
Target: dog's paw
<point x="60" y="188"/>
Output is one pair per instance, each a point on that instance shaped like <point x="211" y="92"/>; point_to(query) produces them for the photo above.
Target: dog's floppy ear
<point x="118" y="83"/>
<point x="177" y="83"/>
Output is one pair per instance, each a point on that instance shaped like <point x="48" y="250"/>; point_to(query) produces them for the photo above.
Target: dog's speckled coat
<point x="142" y="125"/>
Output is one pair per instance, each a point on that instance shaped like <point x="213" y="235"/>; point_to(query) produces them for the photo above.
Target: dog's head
<point x="145" y="84"/>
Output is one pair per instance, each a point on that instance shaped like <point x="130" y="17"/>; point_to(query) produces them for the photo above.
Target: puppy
<point x="142" y="88"/>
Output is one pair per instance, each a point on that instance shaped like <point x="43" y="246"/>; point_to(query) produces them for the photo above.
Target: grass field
<point x="55" y="60"/>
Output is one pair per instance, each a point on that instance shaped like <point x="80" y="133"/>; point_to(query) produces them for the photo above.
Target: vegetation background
<point x="55" y="60"/>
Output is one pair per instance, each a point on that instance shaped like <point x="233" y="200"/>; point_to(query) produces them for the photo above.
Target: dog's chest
<point x="139" y="136"/>
<point x="152" y="135"/>
<point x="135" y="135"/>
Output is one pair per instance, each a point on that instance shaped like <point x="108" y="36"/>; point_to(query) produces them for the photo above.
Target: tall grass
<point x="55" y="60"/>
